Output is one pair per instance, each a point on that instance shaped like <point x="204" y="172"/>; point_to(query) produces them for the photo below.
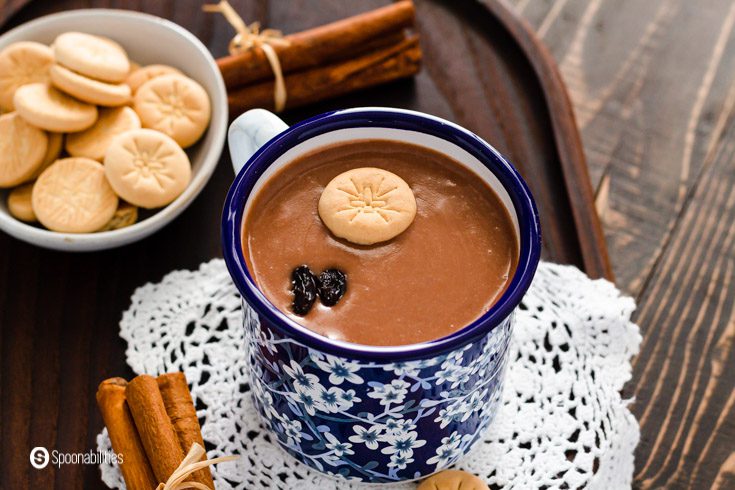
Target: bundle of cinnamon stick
<point x="327" y="61"/>
<point x="152" y="424"/>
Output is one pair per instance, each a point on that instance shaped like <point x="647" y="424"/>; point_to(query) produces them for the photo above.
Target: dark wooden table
<point x="652" y="85"/>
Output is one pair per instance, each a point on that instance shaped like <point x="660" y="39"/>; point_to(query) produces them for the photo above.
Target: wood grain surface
<point x="653" y="89"/>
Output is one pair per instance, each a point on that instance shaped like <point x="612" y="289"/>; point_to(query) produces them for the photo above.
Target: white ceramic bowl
<point x="147" y="39"/>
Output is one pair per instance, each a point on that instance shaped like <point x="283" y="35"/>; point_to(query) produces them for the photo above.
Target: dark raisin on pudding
<point x="332" y="286"/>
<point x="304" y="288"/>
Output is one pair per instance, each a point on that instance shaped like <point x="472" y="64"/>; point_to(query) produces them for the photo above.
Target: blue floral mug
<point x="370" y="413"/>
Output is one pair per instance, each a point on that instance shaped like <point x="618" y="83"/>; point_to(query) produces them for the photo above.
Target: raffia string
<point x="189" y="465"/>
<point x="251" y="37"/>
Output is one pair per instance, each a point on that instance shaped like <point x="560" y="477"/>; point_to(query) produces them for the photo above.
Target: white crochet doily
<point x="562" y="424"/>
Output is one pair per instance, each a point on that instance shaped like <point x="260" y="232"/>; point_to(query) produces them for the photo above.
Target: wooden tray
<point x="484" y="69"/>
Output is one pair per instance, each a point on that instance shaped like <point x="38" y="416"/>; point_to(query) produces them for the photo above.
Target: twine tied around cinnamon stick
<point x="189" y="465"/>
<point x="251" y="37"/>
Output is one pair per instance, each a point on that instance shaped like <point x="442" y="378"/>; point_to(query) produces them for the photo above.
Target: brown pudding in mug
<point x="442" y="272"/>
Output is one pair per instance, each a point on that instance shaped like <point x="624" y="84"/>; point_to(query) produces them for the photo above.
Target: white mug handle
<point x="249" y="132"/>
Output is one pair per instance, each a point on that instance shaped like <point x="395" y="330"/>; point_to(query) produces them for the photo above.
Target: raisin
<point x="332" y="286"/>
<point x="304" y="288"/>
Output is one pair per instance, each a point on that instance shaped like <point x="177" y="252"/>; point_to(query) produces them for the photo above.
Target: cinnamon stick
<point x="134" y="465"/>
<point x="154" y="427"/>
<point x="325" y="44"/>
<point x="397" y="61"/>
<point x="180" y="409"/>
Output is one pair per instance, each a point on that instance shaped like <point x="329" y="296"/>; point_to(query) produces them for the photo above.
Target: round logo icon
<point x="39" y="457"/>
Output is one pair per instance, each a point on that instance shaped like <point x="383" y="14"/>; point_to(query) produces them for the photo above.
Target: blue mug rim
<point x="520" y="195"/>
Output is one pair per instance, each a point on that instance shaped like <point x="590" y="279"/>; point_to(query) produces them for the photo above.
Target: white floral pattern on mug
<point x="375" y="422"/>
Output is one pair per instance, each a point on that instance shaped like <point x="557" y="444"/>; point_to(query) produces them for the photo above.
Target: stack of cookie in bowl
<point x="90" y="137"/>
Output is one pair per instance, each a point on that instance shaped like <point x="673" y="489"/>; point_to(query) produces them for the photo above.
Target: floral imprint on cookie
<point x="175" y="105"/>
<point x="367" y="205"/>
<point x="147" y="168"/>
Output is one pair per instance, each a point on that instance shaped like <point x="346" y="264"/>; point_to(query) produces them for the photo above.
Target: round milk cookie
<point x="22" y="148"/>
<point x="147" y="168"/>
<point x="73" y="196"/>
<point x="367" y="205"/>
<point x="53" y="150"/>
<point x="93" y="142"/>
<point x="175" y="105"/>
<point x="19" y="203"/>
<point x="453" y="480"/>
<point x="88" y="89"/>
<point x="92" y="56"/>
<point x="22" y="63"/>
<point x="44" y="106"/>
<point x="142" y="75"/>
